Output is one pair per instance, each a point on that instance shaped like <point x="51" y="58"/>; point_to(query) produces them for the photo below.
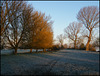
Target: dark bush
<point x="82" y="47"/>
<point x="62" y="47"/>
<point x="1" y="47"/>
<point x="92" y="48"/>
<point x="55" y="47"/>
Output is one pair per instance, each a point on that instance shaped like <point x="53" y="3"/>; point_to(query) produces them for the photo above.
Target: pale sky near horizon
<point x="61" y="12"/>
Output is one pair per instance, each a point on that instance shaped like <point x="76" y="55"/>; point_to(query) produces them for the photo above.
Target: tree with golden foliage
<point x="89" y="16"/>
<point x="42" y="33"/>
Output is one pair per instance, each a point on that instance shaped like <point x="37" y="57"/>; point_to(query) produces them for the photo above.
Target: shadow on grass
<point x="32" y="59"/>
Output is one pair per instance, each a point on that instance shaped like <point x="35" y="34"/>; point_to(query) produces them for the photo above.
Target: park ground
<point x="62" y="62"/>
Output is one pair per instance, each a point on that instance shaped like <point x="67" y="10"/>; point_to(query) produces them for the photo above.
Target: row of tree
<point x="22" y="27"/>
<point x="87" y="16"/>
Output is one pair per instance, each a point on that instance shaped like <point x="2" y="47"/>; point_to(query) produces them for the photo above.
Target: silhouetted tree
<point x="16" y="26"/>
<point x="26" y="20"/>
<point x="89" y="16"/>
<point x="6" y="13"/>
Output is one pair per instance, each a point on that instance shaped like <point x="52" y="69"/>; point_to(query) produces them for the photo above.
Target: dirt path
<point x="63" y="62"/>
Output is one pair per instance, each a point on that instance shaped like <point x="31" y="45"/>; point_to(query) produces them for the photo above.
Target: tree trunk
<point x="87" y="45"/>
<point x="89" y="39"/>
<point x="75" y="44"/>
<point x="36" y="50"/>
<point x="44" y="50"/>
<point x="30" y="50"/>
<point x="75" y="41"/>
<point x="15" y="50"/>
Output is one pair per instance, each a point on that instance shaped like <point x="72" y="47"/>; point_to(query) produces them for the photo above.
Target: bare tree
<point x="73" y="32"/>
<point x="89" y="16"/>
<point x="27" y="22"/>
<point x="17" y="22"/>
<point x="6" y="14"/>
<point x="6" y="8"/>
<point x="61" y="38"/>
<point x="3" y="17"/>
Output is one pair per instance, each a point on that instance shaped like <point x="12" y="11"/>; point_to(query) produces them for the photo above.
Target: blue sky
<point x="61" y="12"/>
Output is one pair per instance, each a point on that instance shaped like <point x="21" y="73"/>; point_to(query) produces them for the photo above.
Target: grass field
<point x="63" y="62"/>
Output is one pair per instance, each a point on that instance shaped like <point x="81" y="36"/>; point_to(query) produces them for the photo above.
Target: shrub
<point x="92" y="48"/>
<point x="82" y="47"/>
<point x="55" y="47"/>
